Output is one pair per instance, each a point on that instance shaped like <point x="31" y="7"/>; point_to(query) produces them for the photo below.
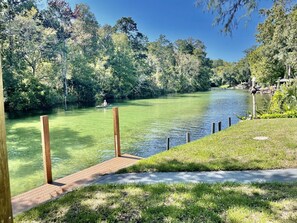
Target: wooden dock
<point x="32" y="198"/>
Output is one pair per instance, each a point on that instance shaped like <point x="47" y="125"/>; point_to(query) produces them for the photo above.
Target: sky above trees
<point x="179" y="19"/>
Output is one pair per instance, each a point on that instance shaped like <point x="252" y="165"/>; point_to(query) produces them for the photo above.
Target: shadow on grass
<point x="174" y="203"/>
<point x="173" y="165"/>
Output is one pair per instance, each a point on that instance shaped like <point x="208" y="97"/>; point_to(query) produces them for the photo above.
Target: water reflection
<point x="222" y="104"/>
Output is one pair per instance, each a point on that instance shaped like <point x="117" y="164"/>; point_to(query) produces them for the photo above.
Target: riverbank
<point x="249" y="145"/>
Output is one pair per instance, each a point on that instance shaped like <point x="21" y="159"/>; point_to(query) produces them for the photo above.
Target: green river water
<point x="83" y="137"/>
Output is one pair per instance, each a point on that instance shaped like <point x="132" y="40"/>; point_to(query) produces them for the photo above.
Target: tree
<point x="83" y="51"/>
<point x="265" y="69"/>
<point x="137" y="40"/>
<point x="59" y="16"/>
<point x="32" y="40"/>
<point x="278" y="35"/>
<point x="162" y="56"/>
<point x="193" y="68"/>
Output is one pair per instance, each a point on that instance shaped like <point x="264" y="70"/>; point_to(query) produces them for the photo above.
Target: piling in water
<point x="219" y="126"/>
<point x="188" y="137"/>
<point x="213" y="128"/>
<point x="167" y="143"/>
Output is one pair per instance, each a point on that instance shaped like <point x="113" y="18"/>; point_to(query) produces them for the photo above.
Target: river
<point x="83" y="137"/>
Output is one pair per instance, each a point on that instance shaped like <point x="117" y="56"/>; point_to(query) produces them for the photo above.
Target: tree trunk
<point x="5" y="196"/>
<point x="64" y="73"/>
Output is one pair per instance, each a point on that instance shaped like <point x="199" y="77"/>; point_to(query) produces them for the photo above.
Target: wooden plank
<point x="45" y="139"/>
<point x="5" y="196"/>
<point x="116" y="127"/>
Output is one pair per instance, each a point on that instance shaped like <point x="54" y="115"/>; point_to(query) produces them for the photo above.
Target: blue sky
<point x="177" y="19"/>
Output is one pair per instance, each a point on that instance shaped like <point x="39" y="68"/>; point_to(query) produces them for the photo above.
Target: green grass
<point x="172" y="203"/>
<point x="232" y="149"/>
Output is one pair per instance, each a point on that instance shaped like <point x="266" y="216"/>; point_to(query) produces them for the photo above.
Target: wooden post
<point x="219" y="126"/>
<point x="213" y="128"/>
<point x="167" y="143"/>
<point x="5" y="196"/>
<point x="229" y="120"/>
<point x="46" y="149"/>
<point x="116" y="128"/>
<point x="188" y="137"/>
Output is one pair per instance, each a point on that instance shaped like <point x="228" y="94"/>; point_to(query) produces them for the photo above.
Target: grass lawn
<point x="232" y="149"/>
<point x="172" y="203"/>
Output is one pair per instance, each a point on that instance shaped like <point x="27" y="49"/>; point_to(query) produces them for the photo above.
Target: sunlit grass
<point x="232" y="149"/>
<point x="172" y="203"/>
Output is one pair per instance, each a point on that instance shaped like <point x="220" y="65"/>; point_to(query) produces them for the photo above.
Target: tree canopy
<point x="61" y="55"/>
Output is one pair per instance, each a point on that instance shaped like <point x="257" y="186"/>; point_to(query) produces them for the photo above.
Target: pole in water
<point x="167" y="143"/>
<point x="219" y="126"/>
<point x="213" y="128"/>
<point x="188" y="137"/>
<point x="230" y="123"/>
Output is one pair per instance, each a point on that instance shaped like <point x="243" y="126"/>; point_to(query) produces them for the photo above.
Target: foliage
<point x="264" y="68"/>
<point x="284" y="100"/>
<point x="230" y="74"/>
<point x="278" y="34"/>
<point x="67" y="54"/>
<point x="228" y="202"/>
<point x="287" y="114"/>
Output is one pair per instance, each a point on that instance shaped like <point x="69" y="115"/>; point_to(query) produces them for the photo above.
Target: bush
<point x="283" y="103"/>
<point x="288" y="114"/>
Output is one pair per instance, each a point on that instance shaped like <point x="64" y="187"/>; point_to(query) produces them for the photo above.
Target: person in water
<point x="104" y="103"/>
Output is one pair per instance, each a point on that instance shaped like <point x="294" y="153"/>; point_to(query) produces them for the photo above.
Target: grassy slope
<point x="172" y="203"/>
<point x="232" y="149"/>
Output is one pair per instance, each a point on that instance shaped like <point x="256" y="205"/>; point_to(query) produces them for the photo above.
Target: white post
<point x="254" y="98"/>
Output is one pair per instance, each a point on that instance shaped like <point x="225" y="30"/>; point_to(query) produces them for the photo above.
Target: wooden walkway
<point x="47" y="192"/>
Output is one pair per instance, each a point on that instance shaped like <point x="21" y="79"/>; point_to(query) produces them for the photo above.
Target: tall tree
<point x="162" y="57"/>
<point x="59" y="16"/>
<point x="278" y="35"/>
<point x="83" y="54"/>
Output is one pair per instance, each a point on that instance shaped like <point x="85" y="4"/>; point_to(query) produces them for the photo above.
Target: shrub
<point x="288" y="114"/>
